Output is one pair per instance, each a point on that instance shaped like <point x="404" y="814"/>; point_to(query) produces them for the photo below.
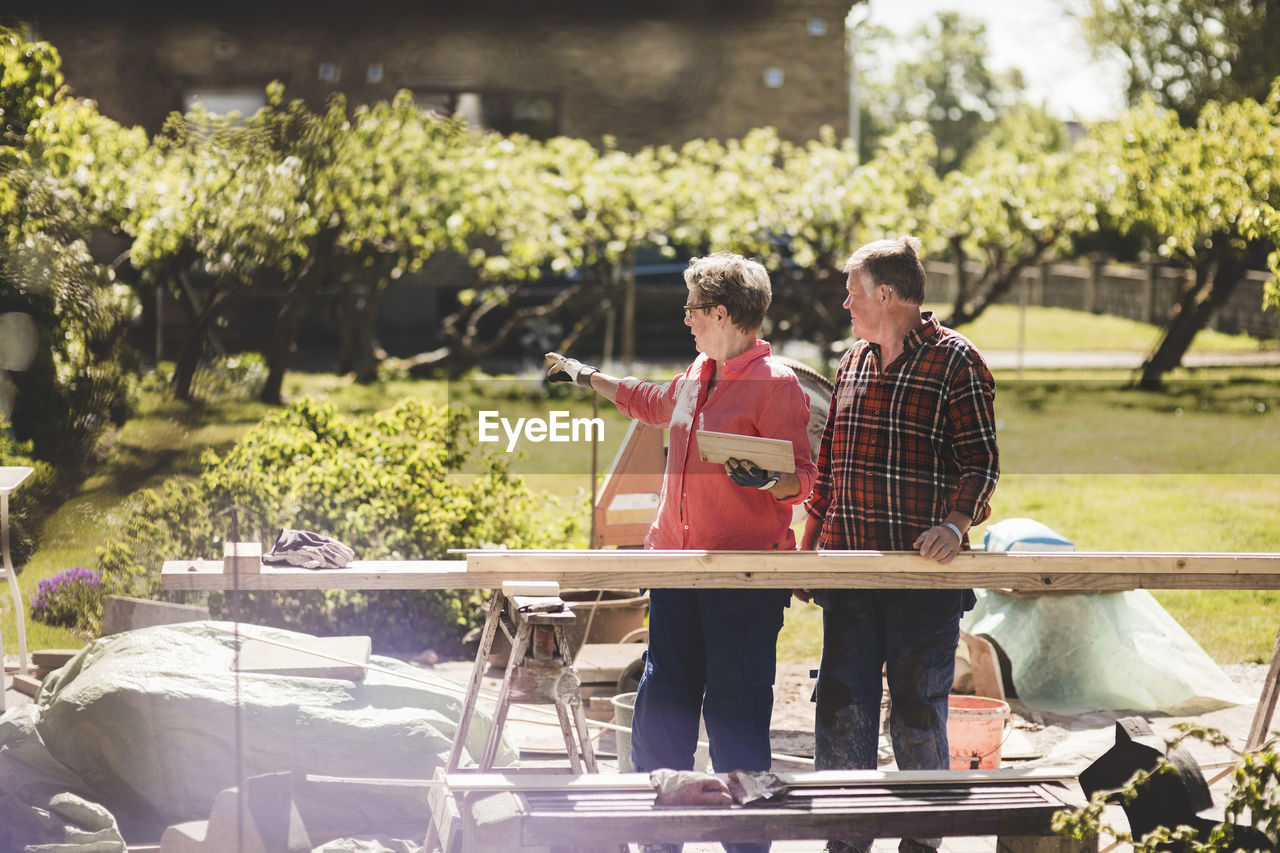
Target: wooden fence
<point x="1145" y="293"/>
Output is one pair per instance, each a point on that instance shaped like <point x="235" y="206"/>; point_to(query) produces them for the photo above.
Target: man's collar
<point x="928" y="328"/>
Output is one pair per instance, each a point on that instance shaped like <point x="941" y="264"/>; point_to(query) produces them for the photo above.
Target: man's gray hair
<point x="893" y="262"/>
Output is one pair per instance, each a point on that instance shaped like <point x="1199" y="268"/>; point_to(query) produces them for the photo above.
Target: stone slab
<point x="52" y="659"/>
<point x="28" y="684"/>
<point x="312" y="657"/>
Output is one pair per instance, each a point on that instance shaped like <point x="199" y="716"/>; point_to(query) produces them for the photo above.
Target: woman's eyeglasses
<point x="689" y="309"/>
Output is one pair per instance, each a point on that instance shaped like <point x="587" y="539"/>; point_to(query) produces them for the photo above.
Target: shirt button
<point x="686" y="527"/>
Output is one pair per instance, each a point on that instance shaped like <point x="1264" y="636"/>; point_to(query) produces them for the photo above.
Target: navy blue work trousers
<point x="712" y="653"/>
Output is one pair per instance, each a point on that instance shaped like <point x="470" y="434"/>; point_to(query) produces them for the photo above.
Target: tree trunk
<point x="629" y="308"/>
<point x="807" y="306"/>
<point x="471" y="348"/>
<point x="347" y="318"/>
<point x="1214" y="282"/>
<point x="962" y="279"/>
<point x="184" y="369"/>
<point x="599" y="304"/>
<point x="284" y="337"/>
<point x="371" y="353"/>
<point x="996" y="281"/>
<point x="200" y="319"/>
<point x="467" y="345"/>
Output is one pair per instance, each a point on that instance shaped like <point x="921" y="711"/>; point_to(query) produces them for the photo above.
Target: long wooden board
<point x="580" y="569"/>
<point x="773" y="454"/>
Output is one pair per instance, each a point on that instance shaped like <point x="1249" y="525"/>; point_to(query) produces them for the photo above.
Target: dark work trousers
<point x="913" y="635"/>
<point x="712" y="653"/>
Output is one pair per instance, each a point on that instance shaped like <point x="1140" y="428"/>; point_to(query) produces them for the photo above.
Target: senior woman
<point x="712" y="652"/>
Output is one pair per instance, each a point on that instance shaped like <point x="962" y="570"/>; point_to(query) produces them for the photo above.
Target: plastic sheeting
<point x="41" y="800"/>
<point x="1116" y="651"/>
<point x="1024" y="534"/>
<point x="138" y="732"/>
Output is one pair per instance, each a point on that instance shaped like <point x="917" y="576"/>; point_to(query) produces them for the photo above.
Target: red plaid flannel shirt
<point x="905" y="447"/>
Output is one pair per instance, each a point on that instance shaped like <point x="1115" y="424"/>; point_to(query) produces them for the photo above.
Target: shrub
<point x="72" y="598"/>
<point x="387" y="484"/>
<point x="80" y="384"/>
<point x="32" y="503"/>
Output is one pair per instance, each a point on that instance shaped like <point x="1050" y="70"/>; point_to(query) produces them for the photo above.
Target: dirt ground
<point x="1037" y="738"/>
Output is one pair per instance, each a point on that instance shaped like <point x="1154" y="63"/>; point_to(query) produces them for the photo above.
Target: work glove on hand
<point x="744" y="472"/>
<point x="569" y="370"/>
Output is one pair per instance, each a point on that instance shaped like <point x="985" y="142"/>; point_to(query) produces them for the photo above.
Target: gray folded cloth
<point x="748" y="786"/>
<point x="689" y="788"/>
<point x="309" y="551"/>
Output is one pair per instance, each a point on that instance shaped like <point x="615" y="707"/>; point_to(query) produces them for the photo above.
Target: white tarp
<point x="1079" y="653"/>
<point x="1114" y="651"/>
<point x="141" y="727"/>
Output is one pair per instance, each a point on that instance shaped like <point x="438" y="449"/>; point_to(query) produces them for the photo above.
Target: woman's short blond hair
<point x="740" y="284"/>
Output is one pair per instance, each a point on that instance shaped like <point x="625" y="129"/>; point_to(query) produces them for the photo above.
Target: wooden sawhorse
<point x="535" y="625"/>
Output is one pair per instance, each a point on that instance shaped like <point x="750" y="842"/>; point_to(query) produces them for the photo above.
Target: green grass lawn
<point x="1193" y="469"/>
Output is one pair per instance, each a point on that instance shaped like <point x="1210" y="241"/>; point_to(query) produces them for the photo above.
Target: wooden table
<point x="593" y="812"/>
<point x="512" y="818"/>
<point x="1071" y="571"/>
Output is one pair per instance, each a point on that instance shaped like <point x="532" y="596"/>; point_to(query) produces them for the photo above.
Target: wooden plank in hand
<point x="772" y="454"/>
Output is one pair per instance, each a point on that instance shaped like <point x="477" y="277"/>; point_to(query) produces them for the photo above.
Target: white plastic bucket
<point x="624" y="705"/>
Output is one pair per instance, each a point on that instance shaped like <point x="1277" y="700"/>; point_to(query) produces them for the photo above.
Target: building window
<point x="535" y="115"/>
<point x="222" y="101"/>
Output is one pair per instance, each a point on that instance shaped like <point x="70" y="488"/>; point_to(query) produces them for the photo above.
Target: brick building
<point x="643" y="72"/>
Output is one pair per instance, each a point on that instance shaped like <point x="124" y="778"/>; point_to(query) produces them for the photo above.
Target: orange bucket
<point x="975" y="731"/>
